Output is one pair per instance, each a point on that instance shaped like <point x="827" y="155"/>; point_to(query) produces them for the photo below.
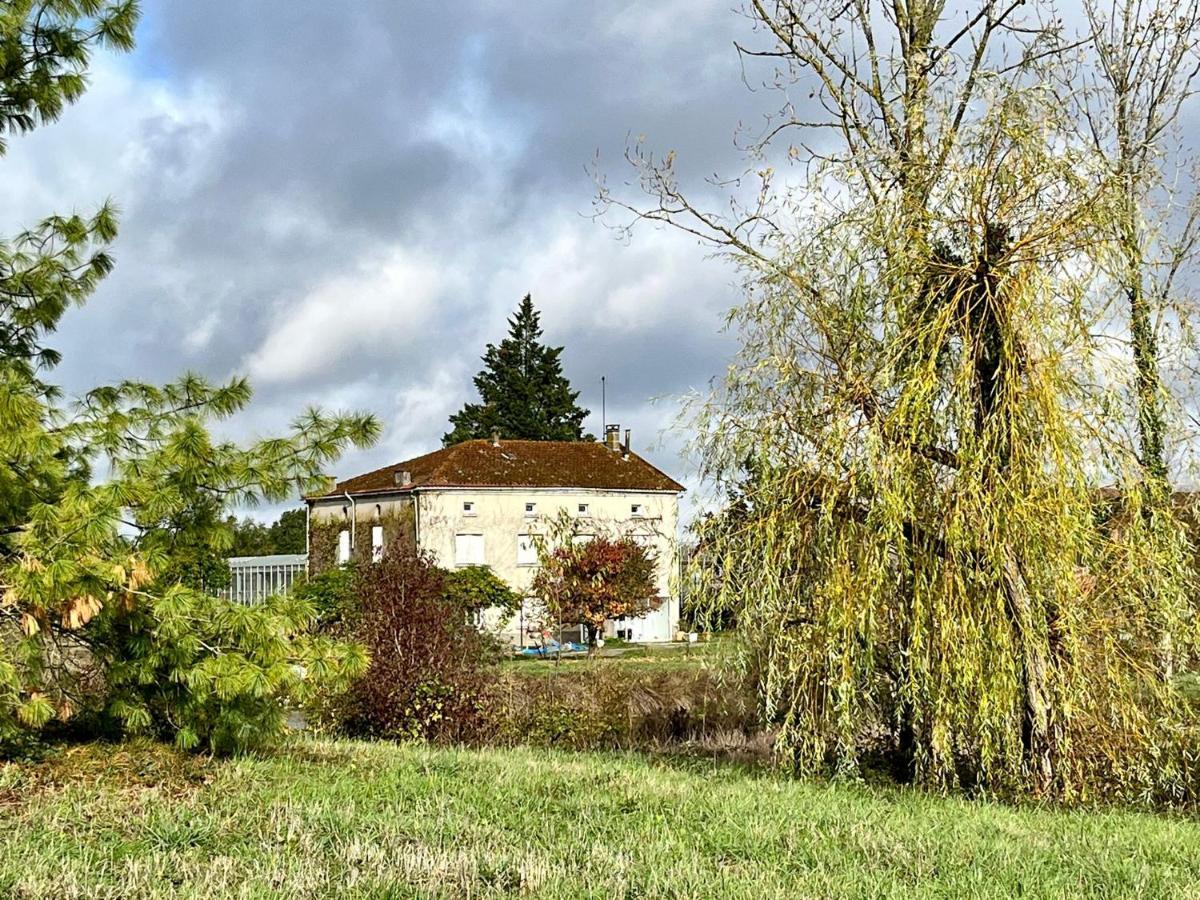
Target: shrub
<point x="331" y="594"/>
<point x="610" y="705"/>
<point x="426" y="677"/>
<point x="477" y="588"/>
<point x="207" y="671"/>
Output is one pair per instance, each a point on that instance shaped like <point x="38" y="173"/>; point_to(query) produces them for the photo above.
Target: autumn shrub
<point x="611" y="705"/>
<point x="428" y="667"/>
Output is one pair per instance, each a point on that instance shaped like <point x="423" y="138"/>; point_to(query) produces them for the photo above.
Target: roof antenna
<point x="603" y="404"/>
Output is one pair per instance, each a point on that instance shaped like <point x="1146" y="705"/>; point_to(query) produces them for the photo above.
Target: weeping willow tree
<point x="922" y="565"/>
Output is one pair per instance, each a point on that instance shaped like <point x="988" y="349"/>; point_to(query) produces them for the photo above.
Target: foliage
<point x="45" y="46"/>
<point x="331" y="594"/>
<point x="109" y="570"/>
<point x="205" y="670"/>
<point x="477" y="588"/>
<point x="285" y="535"/>
<point x="592" y="581"/>
<point x="103" y="608"/>
<point x="323" y="819"/>
<point x="523" y="392"/>
<point x="925" y="393"/>
<point x="614" y="704"/>
<point x="427" y="661"/>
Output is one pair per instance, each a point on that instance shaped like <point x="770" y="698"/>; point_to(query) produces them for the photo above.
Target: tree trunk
<point x="995" y="366"/>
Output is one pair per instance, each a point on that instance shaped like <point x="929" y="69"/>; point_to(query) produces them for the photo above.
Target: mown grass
<point x="346" y="819"/>
<point x="644" y="657"/>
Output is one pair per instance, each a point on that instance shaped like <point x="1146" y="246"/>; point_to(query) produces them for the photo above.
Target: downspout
<point x="353" y="520"/>
<point x="307" y="535"/>
<point x="416" y="519"/>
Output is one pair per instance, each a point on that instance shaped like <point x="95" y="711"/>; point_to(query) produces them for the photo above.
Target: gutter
<point x="353" y="519"/>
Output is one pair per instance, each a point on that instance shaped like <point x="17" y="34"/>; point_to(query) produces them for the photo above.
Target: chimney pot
<point x="627" y="448"/>
<point x="495" y="437"/>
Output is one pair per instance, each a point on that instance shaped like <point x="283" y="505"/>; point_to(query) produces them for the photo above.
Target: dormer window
<point x="637" y="509"/>
<point x="531" y="509"/>
<point x="468" y="507"/>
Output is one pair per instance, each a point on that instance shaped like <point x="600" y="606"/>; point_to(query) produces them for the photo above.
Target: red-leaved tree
<point x="590" y="582"/>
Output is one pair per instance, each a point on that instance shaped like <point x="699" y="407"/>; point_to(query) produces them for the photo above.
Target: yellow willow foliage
<point x="921" y="562"/>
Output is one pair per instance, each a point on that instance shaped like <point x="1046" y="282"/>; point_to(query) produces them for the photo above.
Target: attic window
<point x="531" y="509"/>
<point x="468" y="507"/>
<point x="583" y="509"/>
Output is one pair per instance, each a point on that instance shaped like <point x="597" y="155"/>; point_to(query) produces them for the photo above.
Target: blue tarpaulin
<point x="553" y="647"/>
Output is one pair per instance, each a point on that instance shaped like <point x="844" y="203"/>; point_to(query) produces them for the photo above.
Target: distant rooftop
<point x="516" y="464"/>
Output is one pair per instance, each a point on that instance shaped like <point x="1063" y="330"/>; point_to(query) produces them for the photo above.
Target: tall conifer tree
<point x="522" y="389"/>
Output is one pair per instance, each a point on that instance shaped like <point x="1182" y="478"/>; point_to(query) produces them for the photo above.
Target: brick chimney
<point x="612" y="437"/>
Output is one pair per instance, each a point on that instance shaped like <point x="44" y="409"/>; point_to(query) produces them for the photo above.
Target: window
<point x="531" y="509"/>
<point x="468" y="550"/>
<point x="343" y="551"/>
<point x="637" y="509"/>
<point x="581" y="538"/>
<point x="583" y="509"/>
<point x="468" y="507"/>
<point x="526" y="550"/>
<point x="376" y="543"/>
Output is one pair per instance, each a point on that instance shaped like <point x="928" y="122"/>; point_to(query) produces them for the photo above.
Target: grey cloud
<point x="309" y="138"/>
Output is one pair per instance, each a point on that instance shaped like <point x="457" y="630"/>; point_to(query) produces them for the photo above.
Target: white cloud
<point x="585" y="280"/>
<point x="128" y="137"/>
<point x="383" y="305"/>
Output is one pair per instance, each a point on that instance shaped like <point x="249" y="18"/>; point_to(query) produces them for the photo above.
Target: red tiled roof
<point x="566" y="464"/>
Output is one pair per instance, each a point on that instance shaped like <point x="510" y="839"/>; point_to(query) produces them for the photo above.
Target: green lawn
<point x="638" y="656"/>
<point x="324" y="819"/>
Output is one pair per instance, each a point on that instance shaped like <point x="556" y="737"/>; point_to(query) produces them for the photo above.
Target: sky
<point x="346" y="201"/>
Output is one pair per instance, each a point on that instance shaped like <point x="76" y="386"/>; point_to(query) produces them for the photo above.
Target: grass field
<point x="324" y="819"/>
<point x="637" y="656"/>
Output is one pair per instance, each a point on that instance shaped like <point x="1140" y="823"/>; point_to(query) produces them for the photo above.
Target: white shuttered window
<point x="468" y="550"/>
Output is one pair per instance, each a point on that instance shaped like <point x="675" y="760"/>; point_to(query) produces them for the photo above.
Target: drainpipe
<point x="307" y="535"/>
<point x="353" y="520"/>
<point x="416" y="518"/>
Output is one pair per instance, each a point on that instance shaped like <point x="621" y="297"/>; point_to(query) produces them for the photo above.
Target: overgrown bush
<point x="610" y="705"/>
<point x="208" y="671"/>
<point x="331" y="593"/>
<point x="427" y="673"/>
<point x="475" y="589"/>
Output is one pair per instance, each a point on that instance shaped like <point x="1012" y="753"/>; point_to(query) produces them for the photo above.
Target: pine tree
<point x="523" y="390"/>
<point x="103" y="612"/>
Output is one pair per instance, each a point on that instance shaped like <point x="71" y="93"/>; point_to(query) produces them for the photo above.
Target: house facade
<point x="487" y="502"/>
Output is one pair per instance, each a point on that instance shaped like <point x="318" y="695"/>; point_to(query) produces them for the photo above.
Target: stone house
<point x="484" y="502"/>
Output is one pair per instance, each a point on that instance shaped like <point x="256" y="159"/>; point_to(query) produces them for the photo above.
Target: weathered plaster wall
<point x="499" y="515"/>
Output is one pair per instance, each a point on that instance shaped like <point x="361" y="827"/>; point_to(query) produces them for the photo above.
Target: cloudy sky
<point x="345" y="202"/>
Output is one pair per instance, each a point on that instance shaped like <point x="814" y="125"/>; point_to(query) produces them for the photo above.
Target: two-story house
<point x="484" y="502"/>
